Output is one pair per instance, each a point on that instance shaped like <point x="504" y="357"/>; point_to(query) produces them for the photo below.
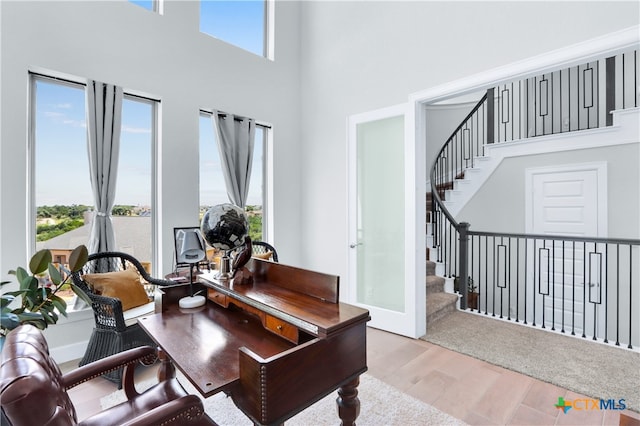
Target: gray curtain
<point x="104" y="113"/>
<point x="235" y="143"/>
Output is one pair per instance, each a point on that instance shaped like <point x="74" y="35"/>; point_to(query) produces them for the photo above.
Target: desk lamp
<point x="192" y="251"/>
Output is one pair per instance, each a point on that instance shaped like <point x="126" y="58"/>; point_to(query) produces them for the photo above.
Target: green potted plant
<point x="39" y="304"/>
<point x="472" y="295"/>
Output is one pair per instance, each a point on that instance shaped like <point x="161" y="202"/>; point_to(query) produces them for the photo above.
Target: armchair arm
<point x="185" y="410"/>
<point x="97" y="368"/>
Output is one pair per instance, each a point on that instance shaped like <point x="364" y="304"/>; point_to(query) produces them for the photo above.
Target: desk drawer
<point x="281" y="328"/>
<point x="217" y="297"/>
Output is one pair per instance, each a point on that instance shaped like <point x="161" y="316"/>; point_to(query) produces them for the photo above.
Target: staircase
<point x="439" y="302"/>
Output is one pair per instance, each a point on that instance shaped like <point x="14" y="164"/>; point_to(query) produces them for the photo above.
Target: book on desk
<point x="275" y="346"/>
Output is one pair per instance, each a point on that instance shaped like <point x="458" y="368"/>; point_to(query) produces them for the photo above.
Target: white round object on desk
<point x="191" y="302"/>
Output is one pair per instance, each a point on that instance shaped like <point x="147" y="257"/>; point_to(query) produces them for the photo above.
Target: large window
<point x="132" y="211"/>
<point x="241" y="23"/>
<point x="62" y="197"/>
<point x="152" y="5"/>
<point x="212" y="185"/>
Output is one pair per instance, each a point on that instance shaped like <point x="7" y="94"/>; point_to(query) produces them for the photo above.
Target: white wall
<point x="499" y="206"/>
<point x="360" y="56"/>
<point x="164" y="57"/>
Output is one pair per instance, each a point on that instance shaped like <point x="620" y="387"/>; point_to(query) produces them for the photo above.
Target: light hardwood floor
<point x="473" y="391"/>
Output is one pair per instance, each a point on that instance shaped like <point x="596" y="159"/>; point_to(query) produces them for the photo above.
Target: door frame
<point x="412" y="322"/>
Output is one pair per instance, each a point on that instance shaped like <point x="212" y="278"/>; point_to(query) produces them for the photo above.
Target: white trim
<point x="412" y="322"/>
<point x="623" y="132"/>
<point x="270" y="30"/>
<point x="565" y="57"/>
<point x="69" y="352"/>
<point x="268" y="186"/>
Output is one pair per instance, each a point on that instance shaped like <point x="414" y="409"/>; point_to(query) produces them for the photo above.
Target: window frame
<point x="268" y="31"/>
<point x="156" y="6"/>
<point x="267" y="174"/>
<point x="76" y="82"/>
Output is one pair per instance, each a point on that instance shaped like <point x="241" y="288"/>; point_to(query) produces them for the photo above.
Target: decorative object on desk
<point x="180" y="262"/>
<point x="241" y="259"/>
<point x="192" y="252"/>
<point x="40" y="304"/>
<point x="225" y="227"/>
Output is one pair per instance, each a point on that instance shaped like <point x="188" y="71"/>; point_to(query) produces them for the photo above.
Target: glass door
<point x="381" y="277"/>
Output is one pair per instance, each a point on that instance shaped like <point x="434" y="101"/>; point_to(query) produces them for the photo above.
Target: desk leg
<point x="348" y="402"/>
<point x="166" y="370"/>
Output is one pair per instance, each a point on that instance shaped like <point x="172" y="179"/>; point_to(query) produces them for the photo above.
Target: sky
<point x="62" y="171"/>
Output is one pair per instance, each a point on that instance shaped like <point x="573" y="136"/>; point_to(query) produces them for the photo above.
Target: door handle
<point x="354" y="245"/>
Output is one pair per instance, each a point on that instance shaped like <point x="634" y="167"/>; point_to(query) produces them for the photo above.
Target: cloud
<point x="53" y="114"/>
<point x="130" y="129"/>
<point x="75" y="123"/>
<point x="63" y="106"/>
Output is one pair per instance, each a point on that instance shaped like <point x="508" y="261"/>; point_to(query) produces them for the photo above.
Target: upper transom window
<point x="241" y="23"/>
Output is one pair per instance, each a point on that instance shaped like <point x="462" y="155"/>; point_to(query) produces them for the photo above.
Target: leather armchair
<point x="34" y="391"/>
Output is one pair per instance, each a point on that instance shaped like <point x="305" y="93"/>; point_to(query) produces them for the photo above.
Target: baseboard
<point x="69" y="352"/>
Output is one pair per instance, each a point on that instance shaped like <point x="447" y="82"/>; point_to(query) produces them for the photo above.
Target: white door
<point x="381" y="247"/>
<point x="568" y="201"/>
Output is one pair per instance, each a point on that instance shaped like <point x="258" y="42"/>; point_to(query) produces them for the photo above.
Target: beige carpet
<point x="380" y="405"/>
<point x="589" y="368"/>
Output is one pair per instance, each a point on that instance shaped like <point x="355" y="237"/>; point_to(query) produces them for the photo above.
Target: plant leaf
<point x="78" y="258"/>
<point x="60" y="304"/>
<point x="6" y="300"/>
<point x="21" y="275"/>
<point x="47" y="316"/>
<point x="9" y="320"/>
<point x="15" y="293"/>
<point x="27" y="316"/>
<point x="29" y="283"/>
<point x="81" y="294"/>
<point x="39" y="261"/>
<point x="54" y="274"/>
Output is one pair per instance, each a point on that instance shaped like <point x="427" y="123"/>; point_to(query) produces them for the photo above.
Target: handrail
<point x="524" y="109"/>
<point x="432" y="176"/>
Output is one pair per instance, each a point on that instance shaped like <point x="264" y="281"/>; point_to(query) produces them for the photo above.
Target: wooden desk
<point x="276" y="346"/>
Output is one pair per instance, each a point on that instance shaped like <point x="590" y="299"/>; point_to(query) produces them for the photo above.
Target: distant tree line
<point x="68" y="218"/>
<point x="75" y="211"/>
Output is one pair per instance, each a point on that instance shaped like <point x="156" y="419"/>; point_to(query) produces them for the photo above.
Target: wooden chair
<point x="34" y="390"/>
<point x="115" y="330"/>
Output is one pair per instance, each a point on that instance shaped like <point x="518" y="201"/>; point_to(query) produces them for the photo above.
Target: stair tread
<point x="439" y="305"/>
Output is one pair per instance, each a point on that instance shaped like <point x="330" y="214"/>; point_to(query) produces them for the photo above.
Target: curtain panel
<point x="235" y="143"/>
<point x="104" y="114"/>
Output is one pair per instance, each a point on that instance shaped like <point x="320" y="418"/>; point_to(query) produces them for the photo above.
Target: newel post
<point x="490" y="116"/>
<point x="610" y="89"/>
<point x="463" y="274"/>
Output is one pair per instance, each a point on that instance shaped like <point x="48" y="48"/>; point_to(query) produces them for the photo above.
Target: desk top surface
<point x="308" y="313"/>
<point x="204" y="342"/>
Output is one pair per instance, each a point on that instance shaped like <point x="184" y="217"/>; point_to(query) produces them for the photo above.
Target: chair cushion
<point x="131" y="315"/>
<point x="124" y="285"/>
<point x="264" y="256"/>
